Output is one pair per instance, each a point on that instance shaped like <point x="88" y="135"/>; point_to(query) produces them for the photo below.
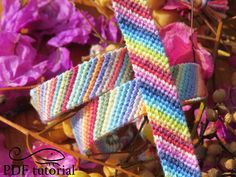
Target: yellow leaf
<point x="0" y="8"/>
<point x="79" y="173"/>
<point x="86" y="2"/>
<point x="24" y="2"/>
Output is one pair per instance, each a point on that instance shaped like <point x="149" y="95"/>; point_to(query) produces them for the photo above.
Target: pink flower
<point x="108" y="29"/>
<point x="176" y="39"/>
<point x="174" y="5"/>
<point x="20" y="65"/>
<point x="15" y="17"/>
<point x="58" y="19"/>
<point x="17" y="60"/>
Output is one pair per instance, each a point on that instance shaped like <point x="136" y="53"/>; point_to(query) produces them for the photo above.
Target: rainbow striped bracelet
<point x="123" y="105"/>
<point x="112" y="108"/>
<point x="91" y="79"/>
<point x="124" y="84"/>
<point x="158" y="91"/>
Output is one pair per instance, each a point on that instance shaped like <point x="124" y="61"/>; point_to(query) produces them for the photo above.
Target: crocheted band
<point x="120" y="99"/>
<point x="108" y="112"/>
<point x="81" y="84"/>
<point x="123" y="104"/>
<point x="99" y="75"/>
<point x="189" y="82"/>
<point x="158" y="91"/>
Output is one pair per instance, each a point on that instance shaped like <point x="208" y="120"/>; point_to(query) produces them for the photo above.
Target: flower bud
<point x="205" y="174"/>
<point x="79" y="173"/>
<point x="146" y="173"/>
<point x="228" y="118"/>
<point x="210" y="132"/>
<point x="222" y="109"/>
<point x="210" y="160"/>
<point x="214" y="172"/>
<point x="230" y="164"/>
<point x="109" y="172"/>
<point x="219" y="96"/>
<point x="214" y="149"/>
<point x="57" y="134"/>
<point x="200" y="152"/>
<point x="95" y="175"/>
<point x="67" y="128"/>
<point x="222" y="162"/>
<point x="232" y="147"/>
<point x="211" y="115"/>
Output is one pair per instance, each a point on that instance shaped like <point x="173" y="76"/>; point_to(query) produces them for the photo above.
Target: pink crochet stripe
<point x="132" y="3"/>
<point x="117" y="70"/>
<point x="92" y="121"/>
<point x="70" y="87"/>
<point x="50" y="100"/>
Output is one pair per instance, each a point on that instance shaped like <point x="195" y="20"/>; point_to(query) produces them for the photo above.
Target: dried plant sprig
<point x="30" y="150"/>
<point x="36" y="136"/>
<point x="56" y="122"/>
<point x="202" y="131"/>
<point x="23" y="87"/>
<point x="198" y="119"/>
<point x="18" y="88"/>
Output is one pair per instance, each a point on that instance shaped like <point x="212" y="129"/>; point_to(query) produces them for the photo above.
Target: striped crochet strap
<point x="96" y="77"/>
<point x="158" y="91"/>
<point x="123" y="104"/>
<point x="81" y="84"/>
<point x="189" y="82"/>
<point x="108" y="112"/>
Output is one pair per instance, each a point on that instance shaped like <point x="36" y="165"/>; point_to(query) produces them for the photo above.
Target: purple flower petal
<point x="15" y="17"/>
<point x="68" y="36"/>
<point x="108" y="29"/>
<point x="21" y="65"/>
<point x="16" y="61"/>
<point x="76" y="30"/>
<point x="58" y="62"/>
<point x="54" y="16"/>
